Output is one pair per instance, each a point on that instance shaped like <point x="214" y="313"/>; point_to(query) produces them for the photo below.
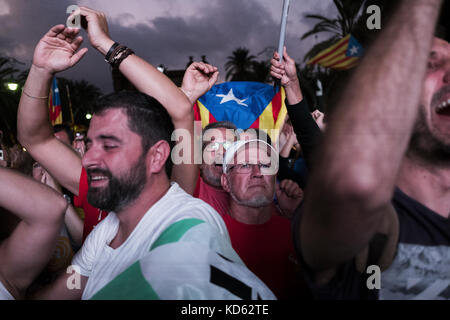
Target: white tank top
<point x="4" y="293"/>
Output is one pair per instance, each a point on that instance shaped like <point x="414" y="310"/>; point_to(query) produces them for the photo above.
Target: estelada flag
<point x="54" y="104"/>
<point x="342" y="55"/>
<point x="246" y="104"/>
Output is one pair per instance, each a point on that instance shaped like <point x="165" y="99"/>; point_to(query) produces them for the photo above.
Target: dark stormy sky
<point x="164" y="31"/>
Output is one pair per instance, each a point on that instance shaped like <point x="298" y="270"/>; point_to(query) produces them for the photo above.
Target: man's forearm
<point x="149" y="80"/>
<point x="307" y="131"/>
<point x="293" y="93"/>
<point x="32" y="119"/>
<point x="40" y="205"/>
<point x="74" y="225"/>
<point x="374" y="119"/>
<point x="367" y="137"/>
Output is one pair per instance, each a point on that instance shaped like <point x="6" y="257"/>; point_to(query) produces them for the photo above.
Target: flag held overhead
<point x="246" y="104"/>
<point x="342" y="55"/>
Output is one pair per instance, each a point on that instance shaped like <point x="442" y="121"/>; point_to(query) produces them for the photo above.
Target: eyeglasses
<point x="264" y="168"/>
<point x="214" y="146"/>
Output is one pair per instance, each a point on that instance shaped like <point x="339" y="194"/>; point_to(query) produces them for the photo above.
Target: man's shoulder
<point x="179" y="197"/>
<point x="204" y="189"/>
<point x="180" y="205"/>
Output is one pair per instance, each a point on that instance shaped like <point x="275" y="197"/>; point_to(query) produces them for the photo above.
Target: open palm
<point x="57" y="50"/>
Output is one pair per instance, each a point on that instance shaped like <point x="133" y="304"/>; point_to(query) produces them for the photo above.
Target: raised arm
<point x="41" y="210"/>
<point x="198" y="79"/>
<point x="351" y="187"/>
<point x="146" y="78"/>
<point x="55" y="52"/>
<point x="306" y="129"/>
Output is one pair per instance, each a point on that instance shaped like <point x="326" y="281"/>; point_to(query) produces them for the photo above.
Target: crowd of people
<point x="314" y="215"/>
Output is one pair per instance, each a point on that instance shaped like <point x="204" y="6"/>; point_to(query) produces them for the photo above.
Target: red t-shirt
<point x="218" y="199"/>
<point x="92" y="216"/>
<point x="268" y="251"/>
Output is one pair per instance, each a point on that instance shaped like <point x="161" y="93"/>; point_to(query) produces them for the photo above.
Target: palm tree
<point x="261" y="71"/>
<point x="239" y="66"/>
<point x="82" y="97"/>
<point x="351" y="18"/>
<point x="348" y="14"/>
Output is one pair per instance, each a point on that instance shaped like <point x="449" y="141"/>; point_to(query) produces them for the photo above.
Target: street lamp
<point x="89" y="116"/>
<point x="12" y="86"/>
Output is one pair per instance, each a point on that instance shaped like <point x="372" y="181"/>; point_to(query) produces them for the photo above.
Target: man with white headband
<point x="260" y="236"/>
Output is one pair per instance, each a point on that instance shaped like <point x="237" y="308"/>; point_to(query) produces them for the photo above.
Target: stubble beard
<point x="210" y="177"/>
<point x="258" y="201"/>
<point x="426" y="147"/>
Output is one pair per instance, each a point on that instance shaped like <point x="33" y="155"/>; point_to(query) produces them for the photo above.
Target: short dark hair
<point x="146" y="117"/>
<point x="220" y="124"/>
<point x="64" y="127"/>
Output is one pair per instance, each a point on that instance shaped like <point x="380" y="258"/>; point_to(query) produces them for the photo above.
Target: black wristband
<point x="111" y="50"/>
<point x="121" y="56"/>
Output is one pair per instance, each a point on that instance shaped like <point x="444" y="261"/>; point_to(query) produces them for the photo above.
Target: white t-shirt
<point x="101" y="263"/>
<point x="4" y="293"/>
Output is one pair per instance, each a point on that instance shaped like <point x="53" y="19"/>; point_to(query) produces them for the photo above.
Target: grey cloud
<point x="215" y="31"/>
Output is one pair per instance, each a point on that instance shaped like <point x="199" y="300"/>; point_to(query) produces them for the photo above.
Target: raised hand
<point x="97" y="29"/>
<point x="284" y="71"/>
<point x="58" y="50"/>
<point x="318" y="117"/>
<point x="50" y="181"/>
<point x="198" y="79"/>
<point x="289" y="196"/>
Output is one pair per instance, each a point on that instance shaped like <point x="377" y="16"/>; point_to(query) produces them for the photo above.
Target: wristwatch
<point x="68" y="198"/>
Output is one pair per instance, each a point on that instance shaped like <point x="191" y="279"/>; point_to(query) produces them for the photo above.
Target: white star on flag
<point x="354" y="50"/>
<point x="231" y="97"/>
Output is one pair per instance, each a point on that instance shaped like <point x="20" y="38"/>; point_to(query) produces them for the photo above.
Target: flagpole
<point x="70" y="104"/>
<point x="284" y="18"/>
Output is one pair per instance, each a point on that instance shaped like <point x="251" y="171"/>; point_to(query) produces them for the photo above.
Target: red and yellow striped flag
<point x="342" y="55"/>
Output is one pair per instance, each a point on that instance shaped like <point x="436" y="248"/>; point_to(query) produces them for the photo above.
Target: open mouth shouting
<point x="441" y="103"/>
<point x="443" y="108"/>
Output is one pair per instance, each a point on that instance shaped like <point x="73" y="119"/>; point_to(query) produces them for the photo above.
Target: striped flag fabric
<point x="343" y="55"/>
<point x="246" y="104"/>
<point x="55" y="108"/>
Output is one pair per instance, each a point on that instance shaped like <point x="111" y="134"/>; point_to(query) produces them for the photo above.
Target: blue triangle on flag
<point x="239" y="102"/>
<point x="354" y="48"/>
